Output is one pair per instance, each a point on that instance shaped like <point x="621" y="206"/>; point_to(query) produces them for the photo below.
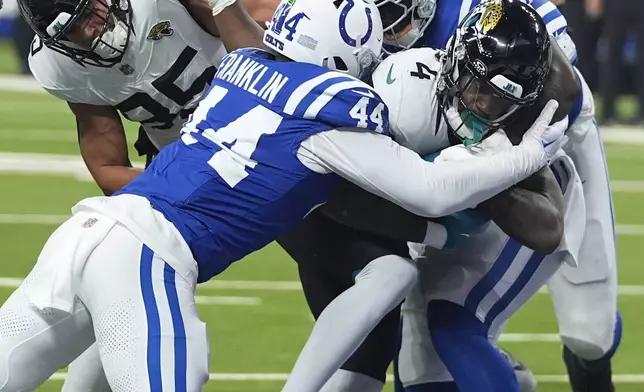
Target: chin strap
<point x="467" y="129"/>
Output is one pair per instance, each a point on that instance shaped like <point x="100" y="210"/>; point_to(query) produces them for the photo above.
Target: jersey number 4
<point x="238" y="140"/>
<point x="423" y="72"/>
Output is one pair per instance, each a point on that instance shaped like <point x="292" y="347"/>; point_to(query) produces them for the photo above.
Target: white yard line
<point x="222" y="300"/>
<point x="634" y="230"/>
<point x="530" y="337"/>
<point x="625" y="290"/>
<point x="41" y="135"/>
<point x="21" y="84"/>
<point x="542" y="378"/>
<point x="55" y="219"/>
<point x="26" y="163"/>
<point x="617" y="378"/>
<point x="623" y="135"/>
<point x="616" y="134"/>
<point x="627" y="186"/>
<point x="252" y="285"/>
<point x="32" y="219"/>
<point x="8" y="282"/>
<point x="32" y="163"/>
<point x="285" y="285"/>
<point x="200" y="299"/>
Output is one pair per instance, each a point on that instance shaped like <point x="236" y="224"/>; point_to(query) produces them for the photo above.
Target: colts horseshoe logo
<point x="343" y="25"/>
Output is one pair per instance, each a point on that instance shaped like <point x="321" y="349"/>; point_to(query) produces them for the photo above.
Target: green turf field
<point x="261" y="329"/>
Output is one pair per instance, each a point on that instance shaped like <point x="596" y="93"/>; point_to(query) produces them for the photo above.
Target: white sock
<point x="348" y="319"/>
<point x="346" y="381"/>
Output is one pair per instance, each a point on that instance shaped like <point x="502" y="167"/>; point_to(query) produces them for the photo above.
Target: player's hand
<point x="492" y="144"/>
<point x="458" y="152"/>
<point x="543" y="138"/>
<point x="496" y="142"/>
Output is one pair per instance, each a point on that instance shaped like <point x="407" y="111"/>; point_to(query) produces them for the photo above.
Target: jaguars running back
<point x="587" y="294"/>
<point x="424" y="117"/>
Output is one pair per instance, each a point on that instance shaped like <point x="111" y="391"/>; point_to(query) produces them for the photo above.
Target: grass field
<point x="259" y="331"/>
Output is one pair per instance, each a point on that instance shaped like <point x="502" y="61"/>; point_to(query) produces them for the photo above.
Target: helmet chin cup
<point x="367" y="61"/>
<point x="464" y="125"/>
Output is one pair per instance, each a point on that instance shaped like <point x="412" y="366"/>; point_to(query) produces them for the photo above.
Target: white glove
<point x="219" y="5"/>
<point x="496" y="142"/>
<point x="544" y="138"/>
<point x="458" y="152"/>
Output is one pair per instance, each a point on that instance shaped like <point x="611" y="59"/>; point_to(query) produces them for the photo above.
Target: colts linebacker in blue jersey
<point x="585" y="295"/>
<point x="265" y="146"/>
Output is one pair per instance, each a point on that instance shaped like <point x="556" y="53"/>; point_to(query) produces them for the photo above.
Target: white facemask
<point x="470" y="132"/>
<point x="116" y="38"/>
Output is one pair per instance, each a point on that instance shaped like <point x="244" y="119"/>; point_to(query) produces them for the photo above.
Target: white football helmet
<point x="342" y="35"/>
<point x="404" y="22"/>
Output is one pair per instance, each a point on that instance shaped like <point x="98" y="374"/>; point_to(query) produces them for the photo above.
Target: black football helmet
<point x="495" y="64"/>
<point x="404" y="22"/>
<point x="53" y="20"/>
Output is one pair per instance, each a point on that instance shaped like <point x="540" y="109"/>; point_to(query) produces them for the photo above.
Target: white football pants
<point x="585" y="297"/>
<point x="141" y="314"/>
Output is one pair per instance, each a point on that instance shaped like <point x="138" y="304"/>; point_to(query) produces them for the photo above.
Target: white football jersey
<point x="168" y="65"/>
<point x="407" y="82"/>
<point x="490" y="275"/>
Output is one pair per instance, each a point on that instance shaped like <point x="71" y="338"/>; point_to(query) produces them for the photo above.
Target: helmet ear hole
<point x="340" y="65"/>
<point x="336" y="63"/>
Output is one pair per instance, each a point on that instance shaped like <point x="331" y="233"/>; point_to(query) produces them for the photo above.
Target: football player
<point x="469" y="292"/>
<point x="584" y="295"/>
<point x="149" y="61"/>
<point x="264" y="147"/>
<point x="326" y="264"/>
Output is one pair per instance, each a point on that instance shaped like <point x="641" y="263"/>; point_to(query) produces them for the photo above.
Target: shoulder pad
<point x="556" y="24"/>
<point x="61" y="76"/>
<point x="407" y="82"/>
<point x="339" y="101"/>
<point x="555" y="21"/>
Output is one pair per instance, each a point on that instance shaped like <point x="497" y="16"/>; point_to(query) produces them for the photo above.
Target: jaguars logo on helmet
<point x="491" y="16"/>
<point x="160" y="30"/>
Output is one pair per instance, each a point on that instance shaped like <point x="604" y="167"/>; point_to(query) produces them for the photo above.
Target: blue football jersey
<point x="233" y="182"/>
<point x="450" y="12"/>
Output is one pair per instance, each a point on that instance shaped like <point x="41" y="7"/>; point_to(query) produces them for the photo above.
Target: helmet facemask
<point x="475" y="106"/>
<point x="477" y="100"/>
<point x="107" y="48"/>
<point x="404" y="22"/>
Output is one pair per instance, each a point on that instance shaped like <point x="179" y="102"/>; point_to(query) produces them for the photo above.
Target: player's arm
<point x="531" y="212"/>
<point x="352" y="206"/>
<point x="261" y="10"/>
<point x="379" y="165"/>
<point x="103" y="146"/>
<point x="237" y="28"/>
<point x="228" y="20"/>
